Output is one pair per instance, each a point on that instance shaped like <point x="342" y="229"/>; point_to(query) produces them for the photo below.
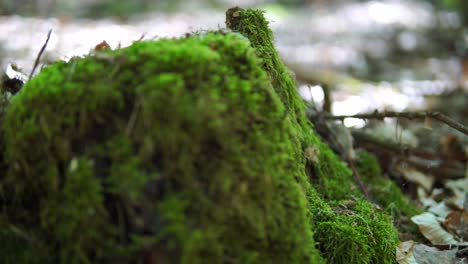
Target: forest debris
<point x="38" y="58"/>
<point x="430" y="227"/>
<point x="409" y="252"/>
<point x="457" y="223"/>
<point x="413" y="175"/>
<point x="452" y="148"/>
<point x="460" y="190"/>
<point x="394" y="133"/>
<point x="409" y="115"/>
<point x="440" y="209"/>
<point x="102" y="46"/>
<point x="13" y="79"/>
<point x="404" y="253"/>
<point x="450" y="214"/>
<point x="426" y="254"/>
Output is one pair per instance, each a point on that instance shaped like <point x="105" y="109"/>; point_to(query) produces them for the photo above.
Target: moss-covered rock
<point x="192" y="150"/>
<point x="181" y="145"/>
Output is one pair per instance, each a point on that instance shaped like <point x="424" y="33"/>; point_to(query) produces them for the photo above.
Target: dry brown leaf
<point x="457" y="223"/>
<point x="102" y="46"/>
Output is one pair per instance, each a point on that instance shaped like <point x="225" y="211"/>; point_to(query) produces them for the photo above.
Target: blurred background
<point x="387" y="54"/>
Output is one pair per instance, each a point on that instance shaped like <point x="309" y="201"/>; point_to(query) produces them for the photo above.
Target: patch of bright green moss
<point x="384" y="191"/>
<point x="367" y="236"/>
<point x="355" y="232"/>
<point x="334" y="178"/>
<point x="178" y="148"/>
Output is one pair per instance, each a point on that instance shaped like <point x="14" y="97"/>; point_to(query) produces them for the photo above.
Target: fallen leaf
<point x="430" y="255"/>
<point x="460" y="190"/>
<point x="440" y="210"/>
<point x="457" y="223"/>
<point x="430" y="227"/>
<point x="404" y="253"/>
<point x="413" y="175"/>
<point x="102" y="46"/>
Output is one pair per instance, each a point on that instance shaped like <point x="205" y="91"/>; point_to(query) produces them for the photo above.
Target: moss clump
<point x="193" y="150"/>
<point x="359" y="234"/>
<point x="371" y="243"/>
<point x="384" y="191"/>
<point x="177" y="148"/>
<point x="333" y="178"/>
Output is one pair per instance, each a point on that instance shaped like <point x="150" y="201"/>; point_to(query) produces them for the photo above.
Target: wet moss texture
<point x="190" y="150"/>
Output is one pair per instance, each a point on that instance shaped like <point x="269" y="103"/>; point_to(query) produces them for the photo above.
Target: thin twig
<point x="141" y="37"/>
<point x="38" y="58"/>
<point x="409" y="115"/>
<point x="327" y="99"/>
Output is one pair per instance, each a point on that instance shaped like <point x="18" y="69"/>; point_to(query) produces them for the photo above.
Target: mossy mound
<point x="179" y="146"/>
<point x="192" y="150"/>
<point x="332" y="177"/>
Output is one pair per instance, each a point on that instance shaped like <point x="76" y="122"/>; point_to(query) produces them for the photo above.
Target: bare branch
<point x="38" y="58"/>
<point x="409" y="115"/>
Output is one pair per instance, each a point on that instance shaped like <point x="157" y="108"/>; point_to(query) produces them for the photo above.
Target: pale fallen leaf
<point x="430" y="255"/>
<point x="413" y="175"/>
<point x="426" y="200"/>
<point x="460" y="190"/>
<point x="440" y="209"/>
<point x="430" y="227"/>
<point x="404" y="253"/>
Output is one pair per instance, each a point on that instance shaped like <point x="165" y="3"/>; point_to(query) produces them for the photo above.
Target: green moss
<point x="193" y="150"/>
<point x="353" y="231"/>
<point x="332" y="179"/>
<point x="177" y="146"/>
<point x="360" y="234"/>
<point x="383" y="190"/>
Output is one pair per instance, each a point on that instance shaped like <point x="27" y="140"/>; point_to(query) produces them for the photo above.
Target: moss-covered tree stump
<point x="191" y="150"/>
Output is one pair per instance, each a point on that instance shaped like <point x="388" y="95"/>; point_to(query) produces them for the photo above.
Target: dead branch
<point x="38" y="58"/>
<point x="409" y="115"/>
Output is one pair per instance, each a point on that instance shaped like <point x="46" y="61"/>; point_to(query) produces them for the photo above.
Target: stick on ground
<point x="410" y="115"/>
<point x="38" y="58"/>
